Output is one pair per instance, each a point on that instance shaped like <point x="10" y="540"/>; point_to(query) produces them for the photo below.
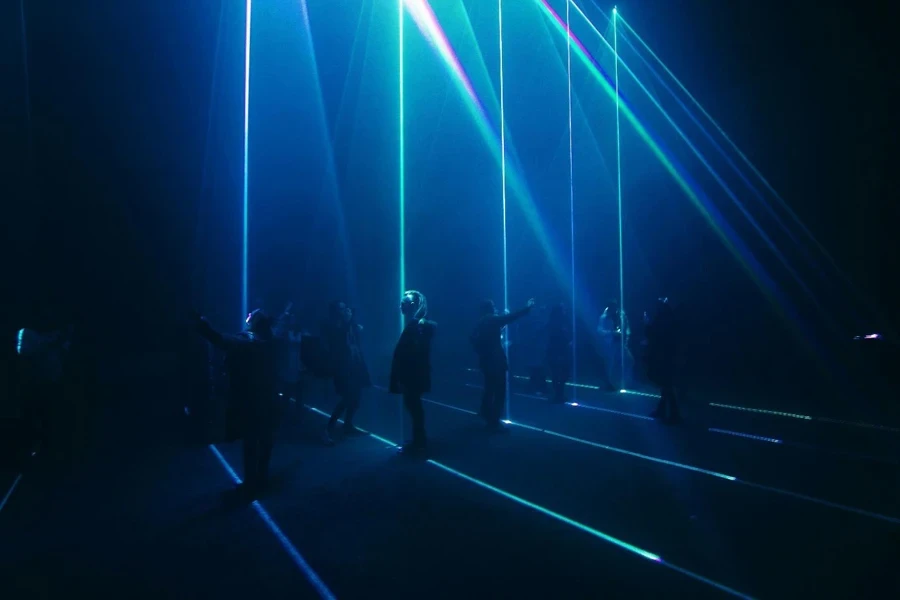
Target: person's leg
<point x="497" y="404"/>
<point x="413" y="404"/>
<point x="337" y="413"/>
<point x="352" y="400"/>
<point x="485" y="411"/>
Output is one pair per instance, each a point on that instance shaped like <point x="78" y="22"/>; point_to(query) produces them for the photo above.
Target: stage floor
<point x="573" y="502"/>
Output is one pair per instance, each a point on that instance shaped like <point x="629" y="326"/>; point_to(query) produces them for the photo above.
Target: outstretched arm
<point x="226" y="342"/>
<point x="505" y="320"/>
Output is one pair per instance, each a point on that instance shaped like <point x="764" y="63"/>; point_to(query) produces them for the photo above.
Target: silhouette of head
<point x="487" y="307"/>
<point x="259" y="323"/>
<point x="413" y="305"/>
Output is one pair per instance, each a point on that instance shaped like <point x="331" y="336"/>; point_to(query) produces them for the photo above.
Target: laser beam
<point x="246" y="207"/>
<point x="503" y="192"/>
<point x="283" y="539"/>
<point x="402" y="157"/>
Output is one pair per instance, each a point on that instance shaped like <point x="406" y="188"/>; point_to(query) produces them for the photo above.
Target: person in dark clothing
<point x="559" y="352"/>
<point x="411" y="365"/>
<point x="251" y="362"/>
<point x="662" y="345"/>
<point x="486" y="339"/>
<point x="341" y="337"/>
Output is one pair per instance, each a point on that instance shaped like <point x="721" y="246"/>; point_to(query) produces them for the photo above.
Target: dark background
<point x="123" y="172"/>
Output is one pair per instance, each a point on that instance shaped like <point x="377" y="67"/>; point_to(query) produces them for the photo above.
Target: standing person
<point x="486" y="339"/>
<point x="662" y="346"/>
<point x="411" y="365"/>
<point x="341" y="338"/>
<point x="615" y="333"/>
<point x="251" y="359"/>
<point x="559" y="352"/>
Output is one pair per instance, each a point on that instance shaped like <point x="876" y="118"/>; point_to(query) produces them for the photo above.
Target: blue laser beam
<point x="503" y="192"/>
<point x="402" y="157"/>
<point x="571" y="197"/>
<point x="618" y="183"/>
<point x="283" y="539"/>
<point x="748" y="436"/>
<point x="246" y="207"/>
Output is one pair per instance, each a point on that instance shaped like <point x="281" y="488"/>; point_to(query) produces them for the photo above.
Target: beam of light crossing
<point x="776" y="413"/>
<point x="762" y="411"/>
<point x="246" y="206"/>
<point x="695" y="195"/>
<point x="283" y="539"/>
<point x="561" y="518"/>
<point x="728" y="139"/>
<point x="746" y="435"/>
<point x="503" y="196"/>
<point x="516" y="186"/>
<point x="571" y="199"/>
<point x="715" y="175"/>
<point x="615" y="50"/>
<point x="401" y="17"/>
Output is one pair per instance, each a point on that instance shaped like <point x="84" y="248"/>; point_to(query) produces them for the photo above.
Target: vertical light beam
<point x="619" y="193"/>
<point x="503" y="193"/>
<point x="402" y="160"/>
<point x="571" y="195"/>
<point x="244" y="249"/>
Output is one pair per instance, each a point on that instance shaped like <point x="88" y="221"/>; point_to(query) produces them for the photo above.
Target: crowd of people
<point x="263" y="365"/>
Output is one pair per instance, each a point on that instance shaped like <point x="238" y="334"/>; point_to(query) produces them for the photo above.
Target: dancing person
<point x="348" y="367"/>
<point x="559" y="352"/>
<point x="615" y="333"/>
<point x="251" y="362"/>
<point x="487" y="341"/>
<point x="411" y="366"/>
<point x="662" y="346"/>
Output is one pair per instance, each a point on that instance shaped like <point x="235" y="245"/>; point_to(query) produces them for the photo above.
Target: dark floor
<point x="815" y="516"/>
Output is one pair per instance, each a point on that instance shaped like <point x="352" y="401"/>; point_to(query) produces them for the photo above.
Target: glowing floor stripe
<point x="746" y="435"/>
<point x="557" y="516"/>
<point x="588" y="406"/>
<point x="289" y="547"/>
<point x="635" y="393"/>
<point x="807" y="417"/>
<point x="595" y="444"/>
<point x="12" y="488"/>
<point x="762" y="411"/>
<point x="670" y="463"/>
